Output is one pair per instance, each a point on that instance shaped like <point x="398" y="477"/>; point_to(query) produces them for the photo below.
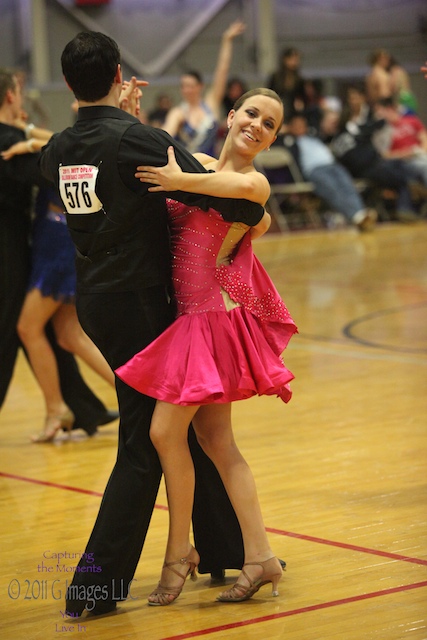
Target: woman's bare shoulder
<point x="207" y="161"/>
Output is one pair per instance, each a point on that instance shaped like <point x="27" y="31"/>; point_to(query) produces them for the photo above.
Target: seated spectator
<point x="331" y="180"/>
<point x="356" y="109"/>
<point x="353" y="147"/>
<point x="329" y="122"/>
<point x="407" y="138"/>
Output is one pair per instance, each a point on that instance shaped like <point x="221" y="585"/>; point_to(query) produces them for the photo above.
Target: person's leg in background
<point x="335" y="186"/>
<point x="14" y="269"/>
<point x="392" y="174"/>
<point x="89" y="411"/>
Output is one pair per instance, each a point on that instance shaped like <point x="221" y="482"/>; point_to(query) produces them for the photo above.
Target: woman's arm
<point x="216" y="93"/>
<point x="30" y="129"/>
<point x="173" y="122"/>
<point x="262" y="226"/>
<point x="252" y="185"/>
<point x="33" y="145"/>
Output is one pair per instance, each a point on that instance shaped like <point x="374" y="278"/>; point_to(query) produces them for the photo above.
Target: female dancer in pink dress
<point x="225" y="345"/>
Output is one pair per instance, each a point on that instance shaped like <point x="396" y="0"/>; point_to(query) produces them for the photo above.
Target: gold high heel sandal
<point x="53" y="424"/>
<point x="162" y="593"/>
<point x="271" y="572"/>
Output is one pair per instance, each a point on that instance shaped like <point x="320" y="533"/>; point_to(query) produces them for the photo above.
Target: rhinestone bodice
<point x="214" y="268"/>
<point x="197" y="238"/>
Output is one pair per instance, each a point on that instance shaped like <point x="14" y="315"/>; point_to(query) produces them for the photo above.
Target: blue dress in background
<point x="53" y="252"/>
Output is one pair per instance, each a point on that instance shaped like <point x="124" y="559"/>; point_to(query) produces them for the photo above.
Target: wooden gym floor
<point x="341" y="470"/>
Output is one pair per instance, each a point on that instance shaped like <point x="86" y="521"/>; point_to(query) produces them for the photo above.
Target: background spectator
<point x="157" y="116"/>
<point x="288" y="82"/>
<point x="407" y="138"/>
<point x="379" y="82"/>
<point x="195" y="121"/>
<point x="331" y="181"/>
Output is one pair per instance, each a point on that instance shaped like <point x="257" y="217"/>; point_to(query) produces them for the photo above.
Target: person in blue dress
<point x="50" y="297"/>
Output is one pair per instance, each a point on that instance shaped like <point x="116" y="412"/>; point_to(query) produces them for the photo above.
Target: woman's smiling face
<point x="256" y="122"/>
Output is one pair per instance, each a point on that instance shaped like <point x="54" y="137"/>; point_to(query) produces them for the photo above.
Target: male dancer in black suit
<point x="17" y="177"/>
<point x="120" y="232"/>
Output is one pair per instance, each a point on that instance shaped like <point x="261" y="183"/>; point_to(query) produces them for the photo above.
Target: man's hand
<point x="167" y="177"/>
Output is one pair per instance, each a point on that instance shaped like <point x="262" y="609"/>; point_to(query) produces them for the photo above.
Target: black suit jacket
<point x="117" y="225"/>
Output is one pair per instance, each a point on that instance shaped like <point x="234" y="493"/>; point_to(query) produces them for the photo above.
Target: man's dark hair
<point x="89" y="64"/>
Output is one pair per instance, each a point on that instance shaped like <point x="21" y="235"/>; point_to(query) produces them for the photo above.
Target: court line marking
<point x="345" y="545"/>
<point x="280" y="532"/>
<point x="347" y="330"/>
<point x="294" y="612"/>
<point x="346" y="353"/>
<point x="275" y="616"/>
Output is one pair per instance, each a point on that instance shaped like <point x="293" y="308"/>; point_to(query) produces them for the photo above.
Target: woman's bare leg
<point x="212" y="424"/>
<point x="169" y="434"/>
<point x="36" y="312"/>
<point x="71" y="337"/>
<point x="214" y="433"/>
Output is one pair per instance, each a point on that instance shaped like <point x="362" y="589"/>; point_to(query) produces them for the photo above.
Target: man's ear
<point x="118" y="77"/>
<point x="10" y="96"/>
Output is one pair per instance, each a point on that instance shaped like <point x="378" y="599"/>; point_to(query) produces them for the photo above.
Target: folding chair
<point x="286" y="180"/>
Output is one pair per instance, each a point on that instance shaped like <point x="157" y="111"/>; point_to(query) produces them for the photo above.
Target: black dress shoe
<point x="105" y="418"/>
<point x="218" y="575"/>
<point x="75" y="608"/>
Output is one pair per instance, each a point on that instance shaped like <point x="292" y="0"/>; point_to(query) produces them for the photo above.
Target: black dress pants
<point x="121" y="324"/>
<point x="14" y="270"/>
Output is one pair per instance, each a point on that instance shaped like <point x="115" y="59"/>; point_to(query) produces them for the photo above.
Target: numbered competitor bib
<point x="77" y="186"/>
